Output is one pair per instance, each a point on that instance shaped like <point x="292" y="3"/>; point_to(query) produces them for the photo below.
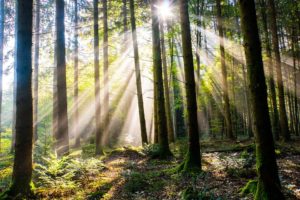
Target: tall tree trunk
<point x="248" y="109"/>
<point x="97" y="80"/>
<point x="54" y="111"/>
<point x="282" y="110"/>
<point x="138" y="75"/>
<point x="268" y="181"/>
<point x="62" y="137"/>
<point x="163" y="142"/>
<point x="155" y="115"/>
<point x="22" y="169"/>
<point x="166" y="84"/>
<point x="2" y="19"/>
<point x="275" y="117"/>
<point x="295" y="49"/>
<point x="178" y="107"/>
<point x="77" y="134"/>
<point x="105" y="69"/>
<point x="227" y="113"/>
<point x="13" y="131"/>
<point x="36" y="69"/>
<point x="193" y="157"/>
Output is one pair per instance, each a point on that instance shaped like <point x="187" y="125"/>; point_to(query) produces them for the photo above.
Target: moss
<point x="189" y="165"/>
<point x="250" y="188"/>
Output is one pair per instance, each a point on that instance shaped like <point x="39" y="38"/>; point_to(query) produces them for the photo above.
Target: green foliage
<point x="193" y="194"/>
<point x="5" y="141"/>
<point x="151" y="150"/>
<point x="42" y="147"/>
<point x="250" y="188"/>
<point x="245" y="155"/>
<point x="64" y="173"/>
<point x="88" y="150"/>
<point x="180" y="147"/>
<point x="135" y="182"/>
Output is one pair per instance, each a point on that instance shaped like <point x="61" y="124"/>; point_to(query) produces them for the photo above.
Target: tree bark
<point x="282" y="110"/>
<point x="77" y="134"/>
<point x="178" y="107"/>
<point x="268" y="181"/>
<point x="97" y="80"/>
<point x="166" y="84"/>
<point x="227" y="113"/>
<point x="193" y="157"/>
<point x="275" y="117"/>
<point x="138" y="75"/>
<point x="36" y="69"/>
<point x="62" y="137"/>
<point x="105" y="69"/>
<point x="163" y="142"/>
<point x="22" y="169"/>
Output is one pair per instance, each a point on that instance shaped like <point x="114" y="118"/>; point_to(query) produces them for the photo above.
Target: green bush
<point x="64" y="173"/>
<point x="135" y="182"/>
<point x="151" y="150"/>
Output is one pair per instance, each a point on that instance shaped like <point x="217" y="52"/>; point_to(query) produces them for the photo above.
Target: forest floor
<point x="128" y="173"/>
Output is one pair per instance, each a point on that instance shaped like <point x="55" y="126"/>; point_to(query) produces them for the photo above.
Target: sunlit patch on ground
<point x="128" y="173"/>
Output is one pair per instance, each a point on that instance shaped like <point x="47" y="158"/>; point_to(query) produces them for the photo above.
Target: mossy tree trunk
<point x="62" y="136"/>
<point x="193" y="158"/>
<point x="163" y="142"/>
<point x="22" y="169"/>
<point x="268" y="180"/>
<point x="138" y="75"/>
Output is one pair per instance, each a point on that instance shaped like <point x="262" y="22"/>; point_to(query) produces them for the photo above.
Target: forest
<point x="150" y="99"/>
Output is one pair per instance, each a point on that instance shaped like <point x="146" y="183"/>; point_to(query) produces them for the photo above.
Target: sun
<point x="164" y="10"/>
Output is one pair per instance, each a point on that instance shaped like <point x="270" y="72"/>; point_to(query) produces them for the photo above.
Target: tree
<point x="105" y="68"/>
<point x="193" y="158"/>
<point x="275" y="118"/>
<point x="2" y="19"/>
<point x="97" y="79"/>
<point x="138" y="74"/>
<point x="282" y="110"/>
<point x="36" y="69"/>
<point x="178" y="107"/>
<point x="22" y="169"/>
<point x="62" y="136"/>
<point x="166" y="83"/>
<point x="162" y="129"/>
<point x="227" y="114"/>
<point x="77" y="134"/>
<point x="268" y="181"/>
